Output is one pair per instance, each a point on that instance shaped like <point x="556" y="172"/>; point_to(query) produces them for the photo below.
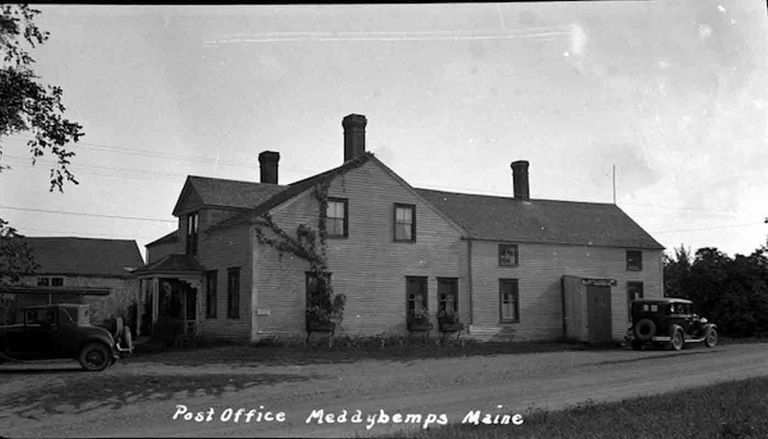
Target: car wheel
<point x="678" y="341"/>
<point x="645" y="329"/>
<point x="95" y="357"/>
<point x="636" y="345"/>
<point x="710" y="340"/>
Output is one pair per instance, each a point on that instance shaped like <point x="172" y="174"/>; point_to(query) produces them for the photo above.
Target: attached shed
<point x="587" y="315"/>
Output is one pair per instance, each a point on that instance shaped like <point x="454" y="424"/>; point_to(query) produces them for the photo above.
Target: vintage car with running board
<point x="63" y="331"/>
<point x="668" y="322"/>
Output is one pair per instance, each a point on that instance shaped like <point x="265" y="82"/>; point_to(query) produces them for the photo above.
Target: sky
<point x="671" y="93"/>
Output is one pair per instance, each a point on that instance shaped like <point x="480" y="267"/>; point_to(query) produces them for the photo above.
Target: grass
<point x="737" y="409"/>
<point x="343" y="350"/>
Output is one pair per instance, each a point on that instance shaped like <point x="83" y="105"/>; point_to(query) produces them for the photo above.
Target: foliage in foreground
<point x="737" y="409"/>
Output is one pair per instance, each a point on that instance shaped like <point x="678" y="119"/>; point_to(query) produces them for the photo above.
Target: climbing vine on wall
<point x="322" y="304"/>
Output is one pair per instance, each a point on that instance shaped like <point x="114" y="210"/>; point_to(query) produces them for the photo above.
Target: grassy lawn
<point x="736" y="409"/>
<point x="343" y="350"/>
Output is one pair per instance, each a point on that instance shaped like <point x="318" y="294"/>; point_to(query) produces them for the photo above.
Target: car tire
<point x="710" y="339"/>
<point x="645" y="329"/>
<point x="677" y="340"/>
<point x="95" y="357"/>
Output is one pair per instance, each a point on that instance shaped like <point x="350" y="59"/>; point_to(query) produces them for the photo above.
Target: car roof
<point x="666" y="300"/>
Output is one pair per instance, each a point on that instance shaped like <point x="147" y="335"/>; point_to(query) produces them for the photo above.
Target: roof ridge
<point x="81" y="238"/>
<point x="511" y="198"/>
<point x="233" y="180"/>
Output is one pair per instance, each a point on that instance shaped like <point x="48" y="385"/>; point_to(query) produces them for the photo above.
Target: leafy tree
<point x="28" y="106"/>
<point x="733" y="292"/>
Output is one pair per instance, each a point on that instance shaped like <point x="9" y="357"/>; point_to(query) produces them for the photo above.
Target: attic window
<point x="634" y="260"/>
<point x="508" y="255"/>
<point x="192" y="225"/>
<point x="50" y="281"/>
<point x="405" y="222"/>
<point x="338" y="217"/>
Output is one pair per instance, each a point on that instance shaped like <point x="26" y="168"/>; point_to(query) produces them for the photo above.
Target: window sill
<point x="634" y="269"/>
<point x="508" y="265"/>
<point x="509" y="322"/>
<point x="406" y="241"/>
<point x="337" y="236"/>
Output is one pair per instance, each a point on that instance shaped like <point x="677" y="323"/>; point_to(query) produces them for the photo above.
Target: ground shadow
<point x="91" y="391"/>
<point x="32" y="369"/>
<point x="654" y="357"/>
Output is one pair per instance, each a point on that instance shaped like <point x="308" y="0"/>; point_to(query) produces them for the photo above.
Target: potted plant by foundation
<point x="319" y="320"/>
<point x="449" y="321"/>
<point x="419" y="320"/>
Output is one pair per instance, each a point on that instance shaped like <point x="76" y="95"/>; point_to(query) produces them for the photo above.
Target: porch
<point x="169" y="298"/>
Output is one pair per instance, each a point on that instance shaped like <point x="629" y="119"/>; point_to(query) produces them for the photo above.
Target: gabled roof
<point x="167" y="239"/>
<point x="219" y="192"/>
<point x="293" y="190"/>
<point x="174" y="263"/>
<point x="497" y="218"/>
<point x="85" y="256"/>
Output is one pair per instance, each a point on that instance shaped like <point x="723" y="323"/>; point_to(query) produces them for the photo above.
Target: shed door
<point x="599" y="314"/>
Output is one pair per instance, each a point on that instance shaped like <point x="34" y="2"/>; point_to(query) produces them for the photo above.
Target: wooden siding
<point x="540" y="272"/>
<point x="368" y="266"/>
<point x="159" y="251"/>
<point x="124" y="293"/>
<point x="220" y="250"/>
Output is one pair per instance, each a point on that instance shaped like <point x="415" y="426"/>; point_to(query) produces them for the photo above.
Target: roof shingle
<point x="541" y="221"/>
<point x="231" y="193"/>
<point x="85" y="256"/>
<point x="173" y="263"/>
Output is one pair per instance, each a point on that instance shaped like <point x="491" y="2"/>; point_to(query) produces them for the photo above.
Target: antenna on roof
<point x="614" y="184"/>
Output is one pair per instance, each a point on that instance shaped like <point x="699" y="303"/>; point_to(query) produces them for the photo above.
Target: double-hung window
<point x="192" y="226"/>
<point x="405" y="222"/>
<point x="233" y="293"/>
<point x="337" y="219"/>
<point x="509" y="301"/>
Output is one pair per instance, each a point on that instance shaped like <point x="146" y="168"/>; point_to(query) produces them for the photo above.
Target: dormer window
<point x="192" y="225"/>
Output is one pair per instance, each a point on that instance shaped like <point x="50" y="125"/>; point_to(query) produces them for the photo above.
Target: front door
<point x="599" y="314"/>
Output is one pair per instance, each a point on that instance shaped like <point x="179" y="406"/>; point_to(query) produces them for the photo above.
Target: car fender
<point x="104" y="338"/>
<point x="674" y="327"/>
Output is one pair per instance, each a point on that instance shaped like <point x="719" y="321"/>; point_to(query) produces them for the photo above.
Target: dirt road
<point x="140" y="397"/>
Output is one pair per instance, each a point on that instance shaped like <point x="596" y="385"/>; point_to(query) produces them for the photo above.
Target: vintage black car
<point x="63" y="331"/>
<point x="668" y="322"/>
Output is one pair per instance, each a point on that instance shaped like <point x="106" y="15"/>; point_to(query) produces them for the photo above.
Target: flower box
<point x="451" y="326"/>
<point x="320" y="326"/>
<point x="418" y="325"/>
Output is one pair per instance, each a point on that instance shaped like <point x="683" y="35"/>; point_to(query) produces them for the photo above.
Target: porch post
<point x="155" y="299"/>
<point x="139" y="306"/>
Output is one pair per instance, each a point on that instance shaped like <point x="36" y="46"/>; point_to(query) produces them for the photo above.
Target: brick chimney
<point x="520" y="179"/>
<point x="268" y="166"/>
<point x="354" y="136"/>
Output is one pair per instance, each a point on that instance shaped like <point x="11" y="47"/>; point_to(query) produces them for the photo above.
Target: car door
<point x="38" y="340"/>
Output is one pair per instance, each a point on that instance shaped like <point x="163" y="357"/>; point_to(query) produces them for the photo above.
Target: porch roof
<point x="35" y="289"/>
<point x="173" y="263"/>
